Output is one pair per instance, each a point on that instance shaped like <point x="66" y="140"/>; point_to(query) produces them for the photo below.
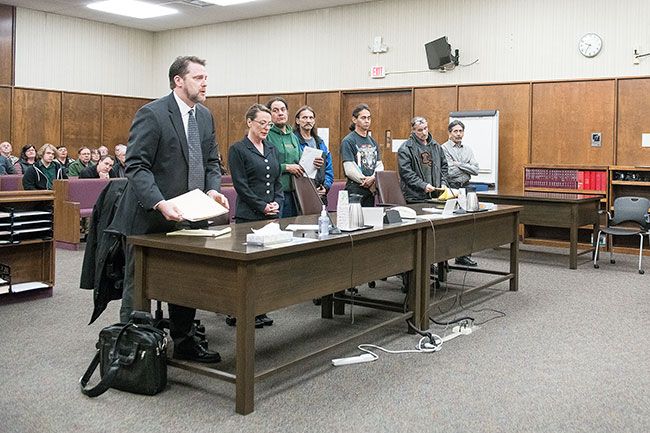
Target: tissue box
<point x="268" y="239"/>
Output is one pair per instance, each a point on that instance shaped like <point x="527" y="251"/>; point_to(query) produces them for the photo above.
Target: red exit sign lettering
<point x="377" y="72"/>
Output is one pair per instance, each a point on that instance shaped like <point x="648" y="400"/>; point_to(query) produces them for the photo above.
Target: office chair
<point x="626" y="210"/>
<point x="389" y="189"/>
<point x="308" y="199"/>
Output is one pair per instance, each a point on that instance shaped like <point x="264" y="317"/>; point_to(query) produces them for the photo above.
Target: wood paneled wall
<point x="435" y="104"/>
<point x="36" y="118"/>
<point x="117" y="116"/>
<point x="5" y="113"/>
<point x="7" y="24"/>
<point x="541" y="122"/>
<point x="328" y="112"/>
<point x="513" y="103"/>
<point x="219" y="107"/>
<point x="633" y="120"/>
<point x="564" y="116"/>
<point x="81" y="121"/>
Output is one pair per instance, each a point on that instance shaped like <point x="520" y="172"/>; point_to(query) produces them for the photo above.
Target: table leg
<point x="140" y="300"/>
<point x="245" y="348"/>
<point x="326" y="307"/>
<point x="573" y="247"/>
<point x="514" y="256"/>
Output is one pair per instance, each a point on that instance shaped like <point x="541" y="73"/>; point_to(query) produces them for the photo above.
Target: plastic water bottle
<point x="323" y="223"/>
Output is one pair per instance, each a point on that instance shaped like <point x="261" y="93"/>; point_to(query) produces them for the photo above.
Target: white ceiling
<point x="187" y="16"/>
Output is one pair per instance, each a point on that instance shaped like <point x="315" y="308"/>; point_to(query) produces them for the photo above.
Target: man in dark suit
<point x="171" y="150"/>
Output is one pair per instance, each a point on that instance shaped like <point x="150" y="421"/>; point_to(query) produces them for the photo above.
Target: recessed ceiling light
<point x="132" y="8"/>
<point x="228" y="2"/>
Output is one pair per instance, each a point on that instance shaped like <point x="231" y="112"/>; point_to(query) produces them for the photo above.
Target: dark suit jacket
<point x="256" y="179"/>
<point x="157" y="164"/>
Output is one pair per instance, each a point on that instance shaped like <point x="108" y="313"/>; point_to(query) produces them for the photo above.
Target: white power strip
<point x="366" y="357"/>
<point x="457" y="331"/>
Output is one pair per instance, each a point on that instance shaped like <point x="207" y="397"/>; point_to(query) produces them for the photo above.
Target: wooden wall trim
<point x="7" y="44"/>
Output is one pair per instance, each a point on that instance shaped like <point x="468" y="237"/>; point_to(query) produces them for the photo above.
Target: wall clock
<point x="590" y="45"/>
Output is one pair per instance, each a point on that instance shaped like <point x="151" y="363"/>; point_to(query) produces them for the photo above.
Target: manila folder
<point x="197" y="206"/>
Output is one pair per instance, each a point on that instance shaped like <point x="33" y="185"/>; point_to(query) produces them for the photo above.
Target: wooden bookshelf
<point x="568" y="179"/>
<point x="28" y="256"/>
<point x="627" y="180"/>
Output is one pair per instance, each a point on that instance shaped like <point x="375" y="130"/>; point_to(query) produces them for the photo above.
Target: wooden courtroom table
<point x="224" y="275"/>
<point x="549" y="209"/>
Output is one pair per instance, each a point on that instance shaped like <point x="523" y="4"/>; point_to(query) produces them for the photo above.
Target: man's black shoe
<point x="465" y="261"/>
<point x="190" y="350"/>
<point x="266" y="320"/>
<point x="259" y="323"/>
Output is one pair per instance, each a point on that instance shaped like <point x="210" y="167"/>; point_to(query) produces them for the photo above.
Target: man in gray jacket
<point x="421" y="162"/>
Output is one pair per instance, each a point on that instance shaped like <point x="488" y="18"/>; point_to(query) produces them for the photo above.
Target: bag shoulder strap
<point x="104" y="383"/>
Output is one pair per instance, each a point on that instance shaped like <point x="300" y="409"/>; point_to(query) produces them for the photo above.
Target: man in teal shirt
<point x="286" y="142"/>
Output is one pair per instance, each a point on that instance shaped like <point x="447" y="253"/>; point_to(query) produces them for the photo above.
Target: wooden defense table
<point x="554" y="210"/>
<point x="460" y="235"/>
<point x="226" y="276"/>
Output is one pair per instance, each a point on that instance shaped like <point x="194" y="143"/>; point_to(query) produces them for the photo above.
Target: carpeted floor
<point x="570" y="355"/>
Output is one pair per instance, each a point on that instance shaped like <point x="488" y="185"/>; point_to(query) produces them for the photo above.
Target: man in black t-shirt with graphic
<point x="361" y="158"/>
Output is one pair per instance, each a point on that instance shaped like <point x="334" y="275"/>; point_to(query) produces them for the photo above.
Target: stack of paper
<point x="197" y="206"/>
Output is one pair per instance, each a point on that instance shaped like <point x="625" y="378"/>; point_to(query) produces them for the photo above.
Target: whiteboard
<point x="482" y="136"/>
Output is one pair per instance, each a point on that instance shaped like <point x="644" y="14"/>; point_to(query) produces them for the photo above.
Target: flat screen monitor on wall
<point x="439" y="53"/>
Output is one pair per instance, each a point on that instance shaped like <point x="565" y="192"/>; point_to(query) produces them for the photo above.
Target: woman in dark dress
<point x="255" y="170"/>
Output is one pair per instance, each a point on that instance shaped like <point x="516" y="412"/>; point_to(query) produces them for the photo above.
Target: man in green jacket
<point x="286" y="142"/>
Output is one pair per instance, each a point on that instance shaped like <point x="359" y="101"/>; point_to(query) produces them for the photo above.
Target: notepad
<point x="201" y="232"/>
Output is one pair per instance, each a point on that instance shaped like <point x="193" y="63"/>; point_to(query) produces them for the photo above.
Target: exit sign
<point x="377" y="72"/>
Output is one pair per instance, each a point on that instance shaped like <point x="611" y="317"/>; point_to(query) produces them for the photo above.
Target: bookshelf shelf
<point x="28" y="253"/>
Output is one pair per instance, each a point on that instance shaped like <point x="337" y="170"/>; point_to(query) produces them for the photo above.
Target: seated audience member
<point x="421" y="163"/>
<point x="119" y="168"/>
<point x="103" y="150"/>
<point x="5" y="150"/>
<point x="255" y="171"/>
<point x="94" y="156"/>
<point x="82" y="162"/>
<point x="361" y="157"/>
<point x="307" y="133"/>
<point x="102" y="170"/>
<point x="6" y="167"/>
<point x="42" y="173"/>
<point x="62" y="156"/>
<point x="26" y="160"/>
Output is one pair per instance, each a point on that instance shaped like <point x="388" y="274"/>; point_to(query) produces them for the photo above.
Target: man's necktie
<point x="196" y="176"/>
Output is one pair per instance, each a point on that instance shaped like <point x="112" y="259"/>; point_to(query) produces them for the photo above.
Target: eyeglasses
<point x="264" y="124"/>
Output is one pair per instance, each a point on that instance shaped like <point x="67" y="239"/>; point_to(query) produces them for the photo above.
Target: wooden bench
<point x="11" y="182"/>
<point x="73" y="199"/>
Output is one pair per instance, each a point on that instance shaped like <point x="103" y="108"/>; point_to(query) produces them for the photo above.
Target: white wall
<point x="63" y="53"/>
<point x="328" y="49"/>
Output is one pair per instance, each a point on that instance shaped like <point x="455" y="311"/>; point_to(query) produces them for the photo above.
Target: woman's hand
<point x="272" y="208"/>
